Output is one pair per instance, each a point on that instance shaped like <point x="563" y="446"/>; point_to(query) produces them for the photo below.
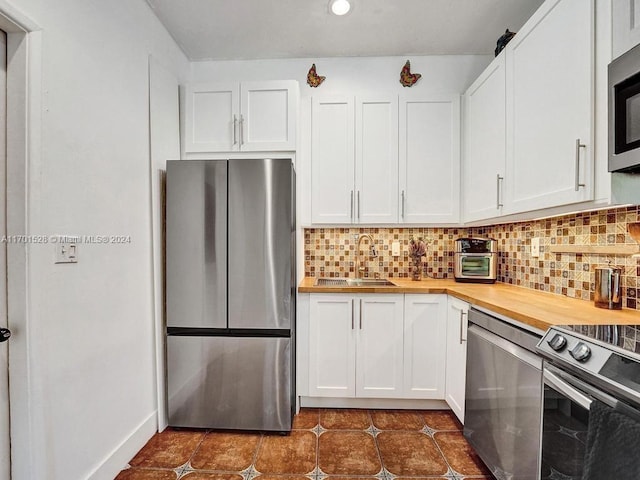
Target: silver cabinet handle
<point x="358" y="199"/>
<point x="360" y="314"/>
<point x="499" y="179"/>
<point x="462" y="315"/>
<point x="578" y="147"/>
<point x="352" y="205"/>
<point x="352" y="315"/>
<point x="241" y="130"/>
<point x="402" y="203"/>
<point x="235" y="127"/>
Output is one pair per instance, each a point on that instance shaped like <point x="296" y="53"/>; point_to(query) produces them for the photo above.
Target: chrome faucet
<point x="359" y="268"/>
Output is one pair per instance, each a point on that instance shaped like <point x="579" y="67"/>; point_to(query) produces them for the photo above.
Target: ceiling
<point x="257" y="29"/>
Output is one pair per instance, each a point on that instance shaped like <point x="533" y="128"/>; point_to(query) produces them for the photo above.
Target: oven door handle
<point x="566" y="389"/>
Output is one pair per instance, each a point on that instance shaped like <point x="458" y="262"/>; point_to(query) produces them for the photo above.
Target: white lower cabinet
<point x="377" y="346"/>
<point x="355" y="345"/>
<point x="425" y="333"/>
<point x="456" y="371"/>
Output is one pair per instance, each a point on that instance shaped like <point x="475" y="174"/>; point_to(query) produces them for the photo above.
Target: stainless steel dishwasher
<point x="503" y="408"/>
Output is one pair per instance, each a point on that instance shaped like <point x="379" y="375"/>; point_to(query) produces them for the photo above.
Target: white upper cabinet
<point x="625" y="25"/>
<point x="248" y="116"/>
<point x="332" y="160"/>
<point x="354" y="157"/>
<point x="429" y="166"/>
<point x="549" y="79"/>
<point x="376" y="159"/>
<point x="483" y="163"/>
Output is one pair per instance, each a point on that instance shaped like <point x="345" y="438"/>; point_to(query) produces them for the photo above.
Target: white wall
<point x="91" y="332"/>
<point x="440" y="73"/>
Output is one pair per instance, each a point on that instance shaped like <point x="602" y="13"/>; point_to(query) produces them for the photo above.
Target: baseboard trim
<point x="118" y="458"/>
<point x="373" y="403"/>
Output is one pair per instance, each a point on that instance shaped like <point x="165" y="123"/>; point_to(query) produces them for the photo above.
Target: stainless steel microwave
<point x="624" y="112"/>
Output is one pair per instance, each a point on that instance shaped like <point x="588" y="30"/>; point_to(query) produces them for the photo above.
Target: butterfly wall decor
<point x="407" y="79"/>
<point x="313" y="79"/>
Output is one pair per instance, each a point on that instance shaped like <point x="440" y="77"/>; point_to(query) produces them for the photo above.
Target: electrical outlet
<point x="395" y="249"/>
<point x="535" y="247"/>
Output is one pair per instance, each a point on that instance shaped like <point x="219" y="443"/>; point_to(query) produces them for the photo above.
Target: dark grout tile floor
<point x="325" y="444"/>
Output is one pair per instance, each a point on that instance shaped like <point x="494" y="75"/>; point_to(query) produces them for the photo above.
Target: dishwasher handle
<point x="515" y="350"/>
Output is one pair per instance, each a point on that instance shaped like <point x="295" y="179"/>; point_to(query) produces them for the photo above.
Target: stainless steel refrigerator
<point x="230" y="292"/>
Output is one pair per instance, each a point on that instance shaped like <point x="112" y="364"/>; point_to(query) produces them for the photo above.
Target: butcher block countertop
<point x="532" y="307"/>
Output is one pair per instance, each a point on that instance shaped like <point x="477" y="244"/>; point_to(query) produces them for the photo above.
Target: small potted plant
<point x="417" y="249"/>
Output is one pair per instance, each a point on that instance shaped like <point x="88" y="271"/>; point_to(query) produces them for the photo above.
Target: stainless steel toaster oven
<point x="475" y="260"/>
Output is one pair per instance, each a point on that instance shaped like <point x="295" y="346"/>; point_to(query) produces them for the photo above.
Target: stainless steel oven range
<point x="591" y="414"/>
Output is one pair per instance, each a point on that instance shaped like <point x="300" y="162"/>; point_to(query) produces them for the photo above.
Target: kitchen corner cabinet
<point x="354" y="159"/>
<point x="483" y="164"/>
<point x="246" y="116"/>
<point x="355" y="345"/>
<point x="429" y="163"/>
<point x="456" y="358"/>
<point x="425" y="334"/>
<point x="549" y="103"/>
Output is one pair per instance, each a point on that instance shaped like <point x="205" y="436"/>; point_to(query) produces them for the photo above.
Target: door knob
<point x="5" y="333"/>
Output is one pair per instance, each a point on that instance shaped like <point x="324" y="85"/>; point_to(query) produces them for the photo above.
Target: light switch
<point x="66" y="252"/>
<point x="395" y="249"/>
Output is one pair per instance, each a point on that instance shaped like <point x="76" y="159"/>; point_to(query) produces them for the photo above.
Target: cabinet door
<point x="376" y="160"/>
<point x="456" y="371"/>
<point x="625" y="25"/>
<point x="211" y="117"/>
<point x="332" y="160"/>
<point x="379" y="346"/>
<point x="268" y="115"/>
<point x="332" y="365"/>
<point x="549" y="108"/>
<point x="429" y="159"/>
<point x="483" y="160"/>
<point x="425" y="334"/>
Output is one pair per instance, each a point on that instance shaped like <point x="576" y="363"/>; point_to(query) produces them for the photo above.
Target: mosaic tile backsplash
<point x="330" y="252"/>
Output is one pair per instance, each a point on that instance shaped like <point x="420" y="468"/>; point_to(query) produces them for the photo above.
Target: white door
<point x="429" y="159"/>
<point x="212" y="117"/>
<point x="5" y="453"/>
<point x="379" y="345"/>
<point x="332" y="160"/>
<point x="457" y="323"/>
<point x="268" y="115"/>
<point x="425" y="336"/>
<point x="483" y="157"/>
<point x="549" y="108"/>
<point x="332" y="340"/>
<point x="376" y="159"/>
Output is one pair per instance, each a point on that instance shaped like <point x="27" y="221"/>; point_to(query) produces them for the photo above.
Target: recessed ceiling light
<point x="340" y="7"/>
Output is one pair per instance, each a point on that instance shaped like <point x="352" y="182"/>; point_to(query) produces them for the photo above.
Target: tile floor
<point x="325" y="444"/>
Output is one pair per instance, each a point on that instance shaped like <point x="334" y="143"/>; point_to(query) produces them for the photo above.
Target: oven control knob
<point x="580" y="352"/>
<point x="558" y="342"/>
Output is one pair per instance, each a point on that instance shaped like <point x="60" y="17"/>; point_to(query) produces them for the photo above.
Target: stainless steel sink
<point x="354" y="282"/>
